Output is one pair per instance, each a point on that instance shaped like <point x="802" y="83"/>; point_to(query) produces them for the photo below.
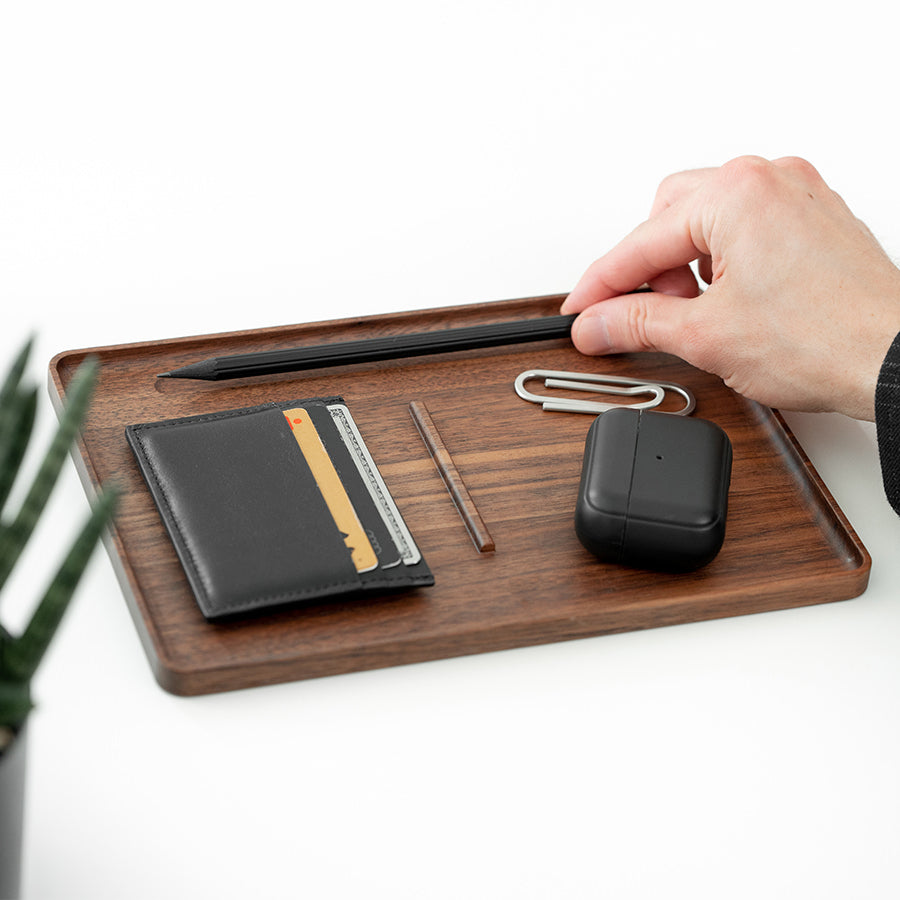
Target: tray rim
<point x="193" y="680"/>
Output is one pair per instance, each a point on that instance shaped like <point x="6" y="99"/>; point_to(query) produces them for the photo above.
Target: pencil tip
<point x="164" y="375"/>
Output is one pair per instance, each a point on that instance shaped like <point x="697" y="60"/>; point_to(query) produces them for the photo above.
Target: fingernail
<point x="591" y="335"/>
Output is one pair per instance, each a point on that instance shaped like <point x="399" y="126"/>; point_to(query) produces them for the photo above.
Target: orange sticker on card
<point x="329" y="482"/>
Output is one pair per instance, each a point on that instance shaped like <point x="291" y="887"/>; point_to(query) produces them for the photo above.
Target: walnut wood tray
<point x="487" y="483"/>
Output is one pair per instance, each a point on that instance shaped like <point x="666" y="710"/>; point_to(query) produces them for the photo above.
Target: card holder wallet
<point x="252" y="525"/>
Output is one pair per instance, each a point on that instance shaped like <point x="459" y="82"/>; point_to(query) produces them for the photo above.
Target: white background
<point x="187" y="167"/>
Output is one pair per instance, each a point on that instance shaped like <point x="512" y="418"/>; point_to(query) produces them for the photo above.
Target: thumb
<point x="632" y="323"/>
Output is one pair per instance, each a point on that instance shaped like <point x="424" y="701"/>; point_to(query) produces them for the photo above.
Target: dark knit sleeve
<point x="887" y="422"/>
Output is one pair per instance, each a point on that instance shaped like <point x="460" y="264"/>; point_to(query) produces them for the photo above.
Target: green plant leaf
<point x="15" y="415"/>
<point x="23" y="655"/>
<point x="14" y="538"/>
<point x="15" y="704"/>
<point x="16" y="426"/>
<point x="14" y="376"/>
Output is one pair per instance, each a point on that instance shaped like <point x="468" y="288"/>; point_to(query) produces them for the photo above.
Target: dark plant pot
<point x="12" y="811"/>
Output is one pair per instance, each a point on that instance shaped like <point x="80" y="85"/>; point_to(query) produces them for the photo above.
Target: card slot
<point x="374" y="482"/>
<point x="379" y="535"/>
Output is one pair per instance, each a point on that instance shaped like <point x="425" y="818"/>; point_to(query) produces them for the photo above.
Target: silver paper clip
<point x="600" y="384"/>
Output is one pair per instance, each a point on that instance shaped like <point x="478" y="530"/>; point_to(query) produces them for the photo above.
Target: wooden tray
<point x="513" y="471"/>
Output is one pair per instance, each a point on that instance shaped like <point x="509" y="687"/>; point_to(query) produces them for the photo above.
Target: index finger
<point x="673" y="187"/>
<point x="666" y="241"/>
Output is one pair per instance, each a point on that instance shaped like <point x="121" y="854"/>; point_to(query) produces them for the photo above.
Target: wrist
<point x="873" y="353"/>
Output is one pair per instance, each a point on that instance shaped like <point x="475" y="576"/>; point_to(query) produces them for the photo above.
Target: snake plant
<point x="21" y="654"/>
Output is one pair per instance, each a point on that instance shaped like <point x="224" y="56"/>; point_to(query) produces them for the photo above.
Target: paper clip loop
<point x="600" y="384"/>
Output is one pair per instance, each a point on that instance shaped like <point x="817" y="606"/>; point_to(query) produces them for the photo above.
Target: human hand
<point x="802" y="303"/>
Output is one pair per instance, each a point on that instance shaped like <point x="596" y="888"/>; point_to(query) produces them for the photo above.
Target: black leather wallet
<point x="254" y="513"/>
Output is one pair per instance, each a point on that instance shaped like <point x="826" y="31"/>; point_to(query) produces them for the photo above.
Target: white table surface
<point x="180" y="168"/>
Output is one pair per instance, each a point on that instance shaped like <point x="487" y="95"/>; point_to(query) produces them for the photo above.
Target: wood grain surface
<point x="787" y="544"/>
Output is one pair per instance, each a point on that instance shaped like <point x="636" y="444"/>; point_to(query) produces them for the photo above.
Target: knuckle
<point x="799" y="167"/>
<point x="756" y="182"/>
<point x="668" y="187"/>
<point x="749" y="179"/>
<point x="745" y="168"/>
<point x="639" y="324"/>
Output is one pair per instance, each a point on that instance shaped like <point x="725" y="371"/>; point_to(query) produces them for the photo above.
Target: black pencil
<point x="424" y="343"/>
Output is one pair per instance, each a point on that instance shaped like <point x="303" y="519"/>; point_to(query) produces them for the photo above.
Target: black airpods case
<point x="654" y="490"/>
